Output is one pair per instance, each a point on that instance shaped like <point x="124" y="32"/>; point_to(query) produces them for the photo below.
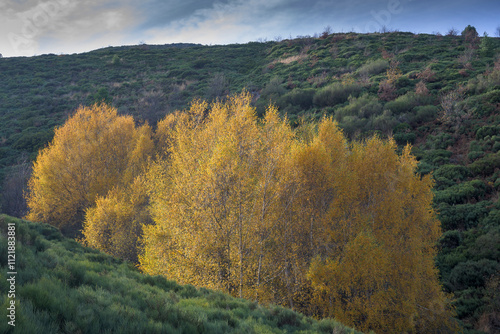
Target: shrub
<point x="462" y="216"/>
<point x="373" y="67"/>
<point x="488" y="130"/>
<point x="298" y="97"/>
<point x="386" y="90"/>
<point x="450" y="239"/>
<point x="475" y="155"/>
<point x="335" y="94"/>
<point x="473" y="273"/>
<point x="462" y="192"/>
<point x="404" y="138"/>
<point x="438" y="156"/>
<point x="353" y="125"/>
<point x="486" y="166"/>
<point x="487" y="246"/>
<point x="425" y="114"/>
<point x="452" y="172"/>
<point x="406" y="103"/>
<point x="364" y="106"/>
<point x="384" y="122"/>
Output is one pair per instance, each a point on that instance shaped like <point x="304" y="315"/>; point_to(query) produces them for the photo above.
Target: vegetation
<point x="246" y="207"/>
<point x="62" y="287"/>
<point x="440" y="93"/>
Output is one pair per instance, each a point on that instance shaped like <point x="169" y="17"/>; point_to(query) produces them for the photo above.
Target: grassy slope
<point x="62" y="287"/>
<point x="38" y="93"/>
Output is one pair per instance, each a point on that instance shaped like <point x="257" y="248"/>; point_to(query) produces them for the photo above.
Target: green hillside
<point x="62" y="287"/>
<point x="439" y="93"/>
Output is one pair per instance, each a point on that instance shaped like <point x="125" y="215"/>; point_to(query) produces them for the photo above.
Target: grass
<point x="62" y="287"/>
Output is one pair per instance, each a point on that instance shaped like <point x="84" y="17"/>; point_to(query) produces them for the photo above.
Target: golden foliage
<point x="114" y="224"/>
<point x="248" y="206"/>
<point x="310" y="222"/>
<point x="93" y="152"/>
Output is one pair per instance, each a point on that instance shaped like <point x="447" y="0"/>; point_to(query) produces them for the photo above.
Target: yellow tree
<point x="216" y="199"/>
<point x="377" y="272"/>
<point x="93" y="152"/>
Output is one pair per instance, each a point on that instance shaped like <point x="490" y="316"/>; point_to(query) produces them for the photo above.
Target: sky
<point x="35" y="27"/>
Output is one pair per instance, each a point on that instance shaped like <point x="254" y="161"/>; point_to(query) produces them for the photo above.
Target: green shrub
<point x="424" y="167"/>
<point x="473" y="273"/>
<point x="437" y="156"/>
<point x="302" y="98"/>
<point x="487" y="246"/>
<point x="334" y="94"/>
<point x="403" y="138"/>
<point x="353" y="125"/>
<point x="462" y="216"/>
<point x="440" y="141"/>
<point x="486" y="165"/>
<point x="452" y="172"/>
<point x="474" y="155"/>
<point x="450" y="239"/>
<point x="364" y="106"/>
<point x="460" y="193"/>
<point x="406" y="103"/>
<point x="373" y="67"/>
<point x="425" y="114"/>
<point x="488" y="130"/>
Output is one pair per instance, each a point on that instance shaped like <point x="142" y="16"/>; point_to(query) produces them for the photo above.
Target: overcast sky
<point x="30" y="27"/>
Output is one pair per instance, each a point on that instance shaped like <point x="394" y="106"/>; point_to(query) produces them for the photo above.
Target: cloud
<point x="64" y="22"/>
<point x="229" y="22"/>
<point x="44" y="26"/>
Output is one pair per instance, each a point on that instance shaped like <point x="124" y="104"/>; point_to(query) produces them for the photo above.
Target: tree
<point x="377" y="272"/>
<point x="218" y="199"/>
<point x="93" y="152"/>
<point x="114" y="224"/>
<point x="312" y="222"/>
<point x="471" y="37"/>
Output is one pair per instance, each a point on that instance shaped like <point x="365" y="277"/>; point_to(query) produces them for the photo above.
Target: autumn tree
<point x="377" y="271"/>
<point x="219" y="198"/>
<point x="95" y="151"/>
<point x="308" y="221"/>
<point x="114" y="224"/>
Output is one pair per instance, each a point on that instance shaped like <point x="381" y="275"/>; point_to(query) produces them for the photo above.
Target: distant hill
<point x="62" y="287"/>
<point x="439" y="93"/>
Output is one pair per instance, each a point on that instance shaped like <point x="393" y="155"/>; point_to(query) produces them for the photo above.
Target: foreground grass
<point x="62" y="287"/>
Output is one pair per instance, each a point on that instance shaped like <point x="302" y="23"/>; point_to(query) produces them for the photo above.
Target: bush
<point x="437" y="156"/>
<point x="486" y="166"/>
<point x="474" y="155"/>
<point x="364" y="106"/>
<point x="489" y="130"/>
<point x="462" y="216"/>
<point x="473" y="273"/>
<point x="384" y="122"/>
<point x="450" y="239"/>
<point x="373" y="67"/>
<point x="461" y="193"/>
<point x="353" y="125"/>
<point x="335" y="94"/>
<point x="406" y="103"/>
<point x="452" y="172"/>
<point x="405" y="138"/>
<point x="425" y="114"/>
<point x="298" y="97"/>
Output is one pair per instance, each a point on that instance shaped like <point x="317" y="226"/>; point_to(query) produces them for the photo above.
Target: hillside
<point x="62" y="287"/>
<point x="439" y="93"/>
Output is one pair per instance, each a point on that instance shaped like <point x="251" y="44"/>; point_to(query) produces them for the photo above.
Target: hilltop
<point x="439" y="93"/>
